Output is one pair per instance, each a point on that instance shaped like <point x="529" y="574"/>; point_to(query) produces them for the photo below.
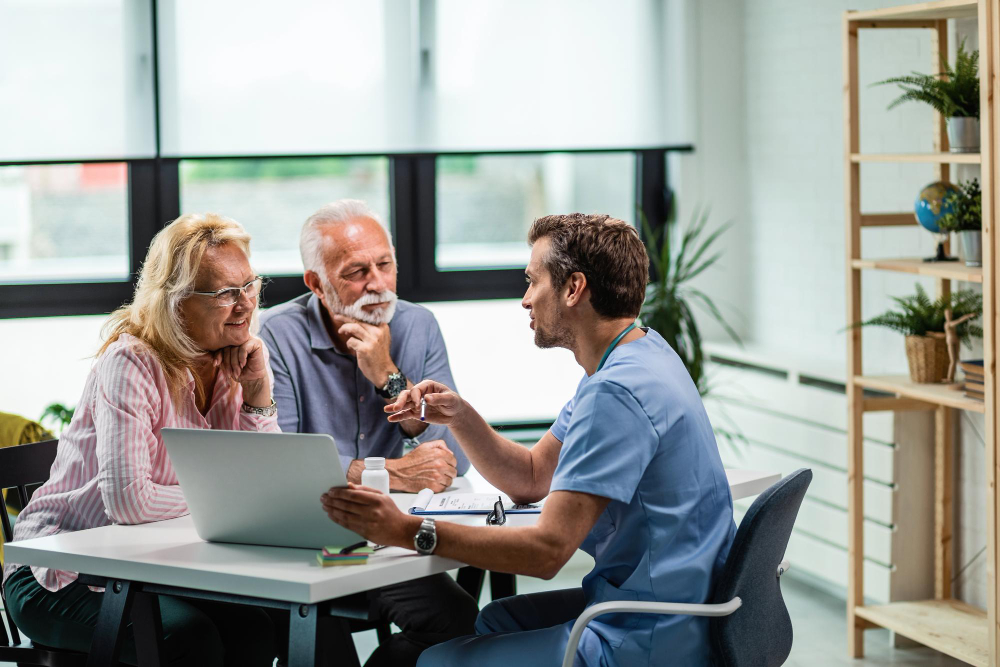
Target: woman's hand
<point x="245" y="364"/>
<point x="443" y="405"/>
<point x="371" y="514"/>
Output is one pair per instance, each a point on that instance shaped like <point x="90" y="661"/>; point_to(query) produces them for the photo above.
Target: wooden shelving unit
<point x="935" y="158"/>
<point x="945" y="624"/>
<point x="942" y="270"/>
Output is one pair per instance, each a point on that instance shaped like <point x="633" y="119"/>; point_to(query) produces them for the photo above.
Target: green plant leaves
<point x="953" y="92"/>
<point x="967" y="209"/>
<point x="919" y="315"/>
<point x="669" y="297"/>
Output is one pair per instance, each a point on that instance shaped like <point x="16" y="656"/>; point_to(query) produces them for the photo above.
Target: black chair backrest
<point x="21" y="467"/>
<point x="759" y="633"/>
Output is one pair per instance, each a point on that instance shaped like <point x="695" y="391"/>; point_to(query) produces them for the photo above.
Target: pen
<point x="423" y="409"/>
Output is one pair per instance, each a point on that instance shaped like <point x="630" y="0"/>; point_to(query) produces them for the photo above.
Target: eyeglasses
<point x="497" y="517"/>
<point x="227" y="296"/>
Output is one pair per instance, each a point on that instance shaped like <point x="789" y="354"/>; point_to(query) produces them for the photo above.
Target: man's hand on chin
<point x="370" y="344"/>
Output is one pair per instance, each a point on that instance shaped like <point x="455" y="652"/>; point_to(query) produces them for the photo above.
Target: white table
<point x="168" y="557"/>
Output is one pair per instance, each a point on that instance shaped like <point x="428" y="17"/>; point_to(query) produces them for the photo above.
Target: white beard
<point x="356" y="312"/>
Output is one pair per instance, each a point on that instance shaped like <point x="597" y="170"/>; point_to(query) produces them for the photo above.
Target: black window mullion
<point x="403" y="223"/>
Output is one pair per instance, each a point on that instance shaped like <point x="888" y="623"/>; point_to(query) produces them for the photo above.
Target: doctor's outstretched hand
<point x="369" y="513"/>
<point x="444" y="406"/>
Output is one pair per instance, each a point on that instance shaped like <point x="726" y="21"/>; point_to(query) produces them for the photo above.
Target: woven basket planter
<point x="928" y="357"/>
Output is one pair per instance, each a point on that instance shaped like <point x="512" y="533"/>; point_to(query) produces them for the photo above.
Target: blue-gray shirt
<point x="319" y="389"/>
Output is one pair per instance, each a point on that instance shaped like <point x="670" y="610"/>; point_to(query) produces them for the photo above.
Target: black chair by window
<point x="750" y="625"/>
<point x="24" y="467"/>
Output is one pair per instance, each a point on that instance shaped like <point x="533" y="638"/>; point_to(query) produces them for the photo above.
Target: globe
<point x="930" y="206"/>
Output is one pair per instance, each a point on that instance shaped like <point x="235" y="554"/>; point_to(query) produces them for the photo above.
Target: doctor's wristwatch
<point x="426" y="539"/>
<point x="394" y="386"/>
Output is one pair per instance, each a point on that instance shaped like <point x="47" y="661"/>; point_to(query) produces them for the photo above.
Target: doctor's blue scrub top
<point x="636" y="432"/>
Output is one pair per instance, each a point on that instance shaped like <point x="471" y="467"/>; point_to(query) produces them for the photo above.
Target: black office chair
<point x="749" y="624"/>
<point x="24" y="467"/>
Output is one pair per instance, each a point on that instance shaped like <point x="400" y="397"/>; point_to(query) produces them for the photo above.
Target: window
<point x="524" y="74"/>
<point x="301" y="77"/>
<point x="273" y="197"/>
<point x="76" y="81"/>
<point x="486" y="203"/>
<point x="64" y="222"/>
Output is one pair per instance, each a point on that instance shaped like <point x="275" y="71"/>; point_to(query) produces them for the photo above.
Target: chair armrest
<point x="589" y="614"/>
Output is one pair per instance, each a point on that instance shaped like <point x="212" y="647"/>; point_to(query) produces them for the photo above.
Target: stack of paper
<point x="331" y="556"/>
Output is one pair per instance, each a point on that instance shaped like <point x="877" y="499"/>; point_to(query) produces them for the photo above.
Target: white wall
<point x="770" y="156"/>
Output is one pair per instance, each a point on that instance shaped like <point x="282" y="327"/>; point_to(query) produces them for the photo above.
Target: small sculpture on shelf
<point x="953" y="340"/>
<point x="924" y="322"/>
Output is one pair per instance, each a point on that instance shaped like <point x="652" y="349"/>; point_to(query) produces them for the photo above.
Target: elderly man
<point x="339" y="355"/>
<point x="631" y="470"/>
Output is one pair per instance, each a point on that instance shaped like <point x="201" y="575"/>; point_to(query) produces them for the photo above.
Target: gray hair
<point x="311" y="243"/>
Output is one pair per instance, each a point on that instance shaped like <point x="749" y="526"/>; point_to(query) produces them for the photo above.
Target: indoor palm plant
<point x="922" y="321"/>
<point x="953" y="92"/>
<point x="966" y="219"/>
<point x="57" y="415"/>
<point x="670" y="294"/>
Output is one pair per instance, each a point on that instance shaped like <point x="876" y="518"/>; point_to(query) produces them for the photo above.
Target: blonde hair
<point x="167" y="278"/>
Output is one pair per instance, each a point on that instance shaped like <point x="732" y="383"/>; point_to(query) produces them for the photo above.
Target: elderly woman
<point x="182" y="354"/>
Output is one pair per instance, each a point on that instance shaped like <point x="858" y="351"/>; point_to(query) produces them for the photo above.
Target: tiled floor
<point x="818" y="619"/>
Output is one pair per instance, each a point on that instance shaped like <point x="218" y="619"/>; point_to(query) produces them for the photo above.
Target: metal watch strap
<point x="269" y="411"/>
<point x="426" y="526"/>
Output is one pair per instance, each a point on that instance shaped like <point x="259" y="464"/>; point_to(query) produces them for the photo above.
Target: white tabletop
<point x="171" y="553"/>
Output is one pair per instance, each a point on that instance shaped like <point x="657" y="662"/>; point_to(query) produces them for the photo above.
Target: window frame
<point x="154" y="200"/>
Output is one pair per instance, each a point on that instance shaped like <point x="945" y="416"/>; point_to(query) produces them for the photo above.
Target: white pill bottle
<point x="375" y="475"/>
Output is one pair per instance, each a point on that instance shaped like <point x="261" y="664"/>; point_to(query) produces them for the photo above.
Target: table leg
<point x="502" y="585"/>
<point x="336" y="644"/>
<point x="115" y="608"/>
<point x="302" y="635"/>
<point x="147" y="626"/>
<point x="471" y="580"/>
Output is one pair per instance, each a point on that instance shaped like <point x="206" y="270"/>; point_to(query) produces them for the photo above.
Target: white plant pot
<point x="963" y="134"/>
<point x="972" y="247"/>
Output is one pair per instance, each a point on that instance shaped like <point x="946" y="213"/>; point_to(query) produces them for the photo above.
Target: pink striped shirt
<point x="111" y="465"/>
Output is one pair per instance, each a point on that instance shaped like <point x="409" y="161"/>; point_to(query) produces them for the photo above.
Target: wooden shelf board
<point x="938" y="394"/>
<point x="948" y="270"/>
<point x="934" y="158"/>
<point x="949" y="626"/>
<point x="942" y="9"/>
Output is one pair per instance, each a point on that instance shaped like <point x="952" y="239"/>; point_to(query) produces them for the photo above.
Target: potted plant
<point x="966" y="219"/>
<point x="670" y="295"/>
<point x="922" y="321"/>
<point x="954" y="93"/>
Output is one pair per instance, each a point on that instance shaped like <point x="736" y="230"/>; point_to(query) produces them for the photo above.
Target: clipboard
<point x="428" y="503"/>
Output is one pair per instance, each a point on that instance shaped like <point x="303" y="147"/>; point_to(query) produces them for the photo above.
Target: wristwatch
<point x="426" y="539"/>
<point x="394" y="386"/>
<point x="269" y="411"/>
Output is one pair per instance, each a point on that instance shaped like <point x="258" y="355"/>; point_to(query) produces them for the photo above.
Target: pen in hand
<point x="423" y="409"/>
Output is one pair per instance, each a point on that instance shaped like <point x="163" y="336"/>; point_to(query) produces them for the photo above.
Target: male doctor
<point x="630" y="467"/>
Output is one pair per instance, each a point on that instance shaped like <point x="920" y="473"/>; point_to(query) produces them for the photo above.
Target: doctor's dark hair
<point x="606" y="250"/>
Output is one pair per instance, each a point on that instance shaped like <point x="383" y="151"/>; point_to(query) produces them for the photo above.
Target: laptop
<point x="258" y="488"/>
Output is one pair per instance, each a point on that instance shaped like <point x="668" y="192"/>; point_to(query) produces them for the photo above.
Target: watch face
<point x="396" y="384"/>
<point x="425" y="540"/>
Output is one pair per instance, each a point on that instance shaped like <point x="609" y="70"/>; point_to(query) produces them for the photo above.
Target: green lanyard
<point x="617" y="340"/>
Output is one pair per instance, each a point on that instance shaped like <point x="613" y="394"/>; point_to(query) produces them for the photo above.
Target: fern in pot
<point x="954" y="93"/>
<point x="966" y="219"/>
<point x="922" y="321"/>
